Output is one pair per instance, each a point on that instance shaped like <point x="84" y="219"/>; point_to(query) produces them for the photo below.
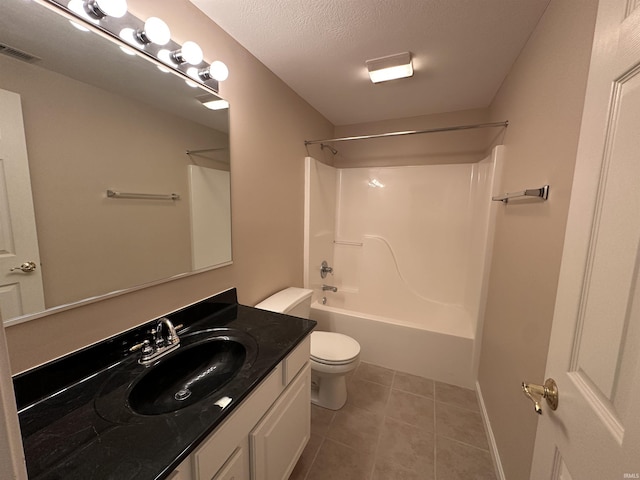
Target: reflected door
<point x="594" y="354"/>
<point x="21" y="291"/>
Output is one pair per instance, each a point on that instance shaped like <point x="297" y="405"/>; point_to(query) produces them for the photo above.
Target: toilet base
<point x="328" y="391"/>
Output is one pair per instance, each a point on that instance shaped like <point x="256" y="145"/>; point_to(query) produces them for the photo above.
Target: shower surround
<point x="410" y="248"/>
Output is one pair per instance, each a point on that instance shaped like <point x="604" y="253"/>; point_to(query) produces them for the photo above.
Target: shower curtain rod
<point x="411" y="132"/>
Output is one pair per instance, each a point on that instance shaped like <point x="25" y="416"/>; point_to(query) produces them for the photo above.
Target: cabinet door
<point x="279" y="438"/>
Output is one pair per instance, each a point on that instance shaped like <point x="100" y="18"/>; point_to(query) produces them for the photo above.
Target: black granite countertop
<point x="74" y="412"/>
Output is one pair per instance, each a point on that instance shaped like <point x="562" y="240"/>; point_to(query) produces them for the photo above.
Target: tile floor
<point x="397" y="426"/>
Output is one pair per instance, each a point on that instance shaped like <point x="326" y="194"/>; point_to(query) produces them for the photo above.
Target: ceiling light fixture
<point x="212" y="102"/>
<point x="391" y="67"/>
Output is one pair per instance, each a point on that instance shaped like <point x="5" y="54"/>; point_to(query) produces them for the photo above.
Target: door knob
<point x="26" y="267"/>
<point x="536" y="393"/>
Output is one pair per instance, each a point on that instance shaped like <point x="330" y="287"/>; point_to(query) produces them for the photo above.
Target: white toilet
<point x="333" y="355"/>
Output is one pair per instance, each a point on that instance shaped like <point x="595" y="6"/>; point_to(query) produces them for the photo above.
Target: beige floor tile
<point x="406" y="445"/>
<point x="461" y="424"/>
<point x="393" y="471"/>
<point x="458" y="396"/>
<point x="368" y="395"/>
<point x="413" y="384"/>
<point x="374" y="373"/>
<point x="306" y="459"/>
<point x="411" y="409"/>
<point x="357" y="428"/>
<point x="339" y="462"/>
<point x="456" y="461"/>
<point x="321" y="418"/>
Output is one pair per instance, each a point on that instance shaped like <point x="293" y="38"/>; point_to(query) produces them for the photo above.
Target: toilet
<point x="333" y="355"/>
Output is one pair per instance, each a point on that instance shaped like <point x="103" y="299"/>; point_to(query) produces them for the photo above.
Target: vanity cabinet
<point x="266" y="434"/>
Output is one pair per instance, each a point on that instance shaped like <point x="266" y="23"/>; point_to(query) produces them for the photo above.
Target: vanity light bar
<point x="128" y="31"/>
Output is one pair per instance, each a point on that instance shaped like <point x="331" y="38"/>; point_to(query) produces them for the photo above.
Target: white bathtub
<point x="439" y="346"/>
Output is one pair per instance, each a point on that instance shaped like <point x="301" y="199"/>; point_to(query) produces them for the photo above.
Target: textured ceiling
<point x="462" y="49"/>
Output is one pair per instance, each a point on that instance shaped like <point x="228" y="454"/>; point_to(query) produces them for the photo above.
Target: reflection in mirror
<point x="94" y="120"/>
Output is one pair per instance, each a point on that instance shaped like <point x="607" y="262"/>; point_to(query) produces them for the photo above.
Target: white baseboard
<point x="493" y="448"/>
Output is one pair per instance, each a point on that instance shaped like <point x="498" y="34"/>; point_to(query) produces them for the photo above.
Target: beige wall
<point x="269" y="124"/>
<point x="427" y="149"/>
<point x="542" y="98"/>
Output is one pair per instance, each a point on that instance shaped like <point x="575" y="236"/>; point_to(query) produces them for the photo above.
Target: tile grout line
<point x="466" y="444"/>
<point x="384" y="417"/>
<point x="306" y="475"/>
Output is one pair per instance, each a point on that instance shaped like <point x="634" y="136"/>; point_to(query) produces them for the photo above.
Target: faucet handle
<point x="144" y="345"/>
<point x="324" y="269"/>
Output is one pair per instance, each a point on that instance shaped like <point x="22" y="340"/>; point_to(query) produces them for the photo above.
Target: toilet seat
<point x="332" y="348"/>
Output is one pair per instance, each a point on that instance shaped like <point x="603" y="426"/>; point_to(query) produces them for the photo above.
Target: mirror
<point x="96" y="119"/>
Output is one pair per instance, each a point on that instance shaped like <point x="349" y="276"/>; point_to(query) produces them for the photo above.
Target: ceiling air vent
<point x="18" y="54"/>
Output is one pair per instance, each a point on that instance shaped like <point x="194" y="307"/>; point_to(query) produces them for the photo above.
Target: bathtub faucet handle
<point x="325" y="268"/>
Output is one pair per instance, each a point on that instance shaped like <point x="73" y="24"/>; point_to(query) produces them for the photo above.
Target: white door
<point x="594" y="354"/>
<point x="20" y="292"/>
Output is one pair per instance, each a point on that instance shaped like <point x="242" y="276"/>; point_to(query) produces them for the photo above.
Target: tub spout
<point x="330" y="288"/>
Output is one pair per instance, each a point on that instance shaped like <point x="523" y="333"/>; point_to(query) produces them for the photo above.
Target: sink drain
<point x="182" y="394"/>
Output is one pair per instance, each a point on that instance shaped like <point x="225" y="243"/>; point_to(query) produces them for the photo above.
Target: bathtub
<point x="439" y="346"/>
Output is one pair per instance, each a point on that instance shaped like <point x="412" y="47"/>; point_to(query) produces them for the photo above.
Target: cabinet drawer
<point x="296" y="360"/>
<point x="237" y="467"/>
<point x="279" y="439"/>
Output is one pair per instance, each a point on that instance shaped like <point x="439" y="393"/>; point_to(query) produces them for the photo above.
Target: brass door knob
<point x="26" y="267"/>
<point x="536" y="393"/>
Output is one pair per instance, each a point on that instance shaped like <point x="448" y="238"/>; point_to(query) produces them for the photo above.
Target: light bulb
<point x="163" y="69"/>
<point x="165" y="56"/>
<point x="190" y="53"/>
<point x="129" y="35"/>
<point x="193" y="73"/>
<point x="155" y="31"/>
<point x="104" y="8"/>
<point x="219" y="71"/>
<point x="191" y="83"/>
<point x="77" y="7"/>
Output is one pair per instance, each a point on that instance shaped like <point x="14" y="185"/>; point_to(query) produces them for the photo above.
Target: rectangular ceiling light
<point x="212" y="102"/>
<point x="390" y="68"/>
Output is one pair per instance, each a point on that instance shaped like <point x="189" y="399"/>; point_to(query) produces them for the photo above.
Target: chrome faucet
<point x="171" y="336"/>
<point x="163" y="343"/>
<point x="330" y="288"/>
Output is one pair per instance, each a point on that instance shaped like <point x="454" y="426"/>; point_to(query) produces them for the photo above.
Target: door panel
<point x="20" y="292"/>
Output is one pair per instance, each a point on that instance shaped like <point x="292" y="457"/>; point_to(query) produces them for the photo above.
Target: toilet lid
<point x="333" y="348"/>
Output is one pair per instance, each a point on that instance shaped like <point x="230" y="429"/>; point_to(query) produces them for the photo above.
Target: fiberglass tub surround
<point x="409" y="248"/>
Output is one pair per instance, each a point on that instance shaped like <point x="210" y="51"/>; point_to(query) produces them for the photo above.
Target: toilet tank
<point x="292" y="301"/>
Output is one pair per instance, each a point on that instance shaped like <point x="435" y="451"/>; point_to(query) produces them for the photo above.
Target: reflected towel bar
<point x="143" y="196"/>
<point x="344" y="242"/>
<point x="203" y="150"/>
<point x="542" y="192"/>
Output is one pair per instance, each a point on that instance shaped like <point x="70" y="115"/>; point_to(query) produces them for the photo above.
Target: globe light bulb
<point x="191" y="53"/>
<point x="155" y="31"/>
<point x="219" y="71"/>
<point x="111" y="8"/>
